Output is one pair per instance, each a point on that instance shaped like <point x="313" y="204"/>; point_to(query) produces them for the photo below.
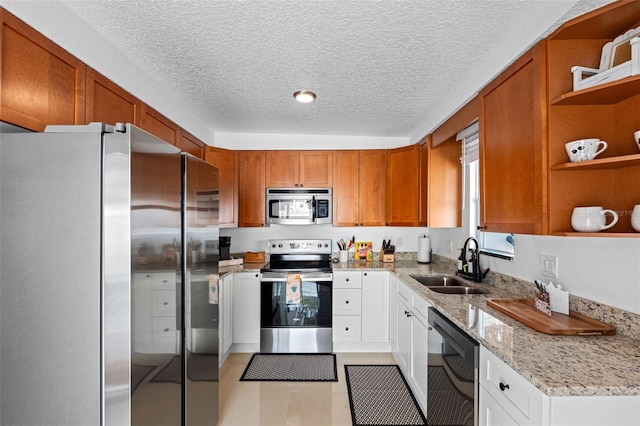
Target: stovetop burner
<point x="299" y="255"/>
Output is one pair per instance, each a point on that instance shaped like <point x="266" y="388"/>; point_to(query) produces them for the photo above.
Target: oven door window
<point x="313" y="309"/>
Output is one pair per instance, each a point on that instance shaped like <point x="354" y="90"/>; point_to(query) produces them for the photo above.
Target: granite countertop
<point x="557" y="365"/>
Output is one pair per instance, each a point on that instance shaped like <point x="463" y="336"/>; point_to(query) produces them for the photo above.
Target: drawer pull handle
<point x="503" y="386"/>
<point x="407" y="313"/>
<point x="166" y="329"/>
<point x="165" y="303"/>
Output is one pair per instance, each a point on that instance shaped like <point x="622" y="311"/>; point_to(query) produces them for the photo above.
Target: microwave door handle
<point x="313" y="209"/>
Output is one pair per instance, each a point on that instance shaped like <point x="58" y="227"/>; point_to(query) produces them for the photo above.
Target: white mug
<point x="592" y="219"/>
<point x="343" y="256"/>
<point x="584" y="149"/>
<point x="635" y="218"/>
<point x="636" y="137"/>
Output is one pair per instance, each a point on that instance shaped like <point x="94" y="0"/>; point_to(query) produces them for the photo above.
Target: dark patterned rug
<point x="379" y="395"/>
<point x="138" y="374"/>
<point x="291" y="368"/>
<point x="447" y="405"/>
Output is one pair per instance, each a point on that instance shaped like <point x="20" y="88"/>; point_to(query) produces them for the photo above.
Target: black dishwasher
<point x="452" y="374"/>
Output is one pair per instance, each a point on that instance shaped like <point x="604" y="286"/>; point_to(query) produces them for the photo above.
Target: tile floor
<point x="287" y="403"/>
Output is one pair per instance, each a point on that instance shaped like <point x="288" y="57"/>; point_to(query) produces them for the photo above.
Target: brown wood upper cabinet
<point x="287" y="169"/>
<point x="159" y="125"/>
<point x="513" y="148"/>
<point x="109" y="103"/>
<point x="251" y="188"/>
<point x="227" y="163"/>
<point x="191" y="144"/>
<point x="40" y="83"/>
<point x="359" y="188"/>
<point x="403" y="183"/>
<point x="443" y="182"/>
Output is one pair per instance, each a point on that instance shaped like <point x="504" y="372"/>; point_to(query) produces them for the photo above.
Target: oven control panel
<point x="299" y="246"/>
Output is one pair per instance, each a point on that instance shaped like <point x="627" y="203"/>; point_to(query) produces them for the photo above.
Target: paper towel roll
<point x="424" y="250"/>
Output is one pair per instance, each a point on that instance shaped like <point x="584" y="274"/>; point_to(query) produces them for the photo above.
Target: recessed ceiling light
<point x="304" y="96"/>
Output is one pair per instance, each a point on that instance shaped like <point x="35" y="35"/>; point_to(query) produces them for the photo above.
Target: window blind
<point x="470" y="143"/>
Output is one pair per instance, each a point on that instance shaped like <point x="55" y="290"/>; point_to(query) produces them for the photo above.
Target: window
<point x="491" y="243"/>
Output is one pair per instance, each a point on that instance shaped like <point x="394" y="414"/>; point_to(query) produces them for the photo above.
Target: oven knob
<point x="320" y="245"/>
<point x="280" y="245"/>
<point x="326" y="245"/>
<point x="273" y="245"/>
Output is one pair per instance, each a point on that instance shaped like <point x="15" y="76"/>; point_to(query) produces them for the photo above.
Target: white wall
<point x="246" y="141"/>
<point x="606" y="270"/>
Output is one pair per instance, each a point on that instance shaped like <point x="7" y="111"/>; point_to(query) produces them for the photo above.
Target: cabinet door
<point x="316" y="169"/>
<point x="246" y="307"/>
<point x="513" y="149"/>
<point x="418" y="359"/>
<point x="191" y="144"/>
<point x="158" y="125"/>
<point x="393" y="315"/>
<point x="445" y="185"/>
<point x="227" y="314"/>
<point x="251" y="188"/>
<point x="227" y="163"/>
<point x="109" y="103"/>
<point x="375" y="306"/>
<point x="41" y="83"/>
<point x="403" y="315"/>
<point x="283" y="169"/>
<point x="371" y="184"/>
<point x="403" y="182"/>
<point x="345" y="188"/>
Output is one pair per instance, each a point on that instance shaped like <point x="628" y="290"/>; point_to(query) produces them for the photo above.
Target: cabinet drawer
<point x="163" y="281"/>
<point x="163" y="303"/>
<point x="405" y="293"/>
<point x="520" y="399"/>
<point x="164" y="329"/>
<point x="347" y="302"/>
<point x="346" y="328"/>
<point x="420" y="308"/>
<point x="347" y="279"/>
<point x="491" y="413"/>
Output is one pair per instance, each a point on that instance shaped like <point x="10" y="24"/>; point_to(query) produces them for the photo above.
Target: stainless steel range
<point x="295" y="297"/>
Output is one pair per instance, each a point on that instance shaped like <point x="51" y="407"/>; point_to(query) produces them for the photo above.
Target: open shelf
<point x="597" y="234"/>
<point x="602" y="94"/>
<point x="601" y="163"/>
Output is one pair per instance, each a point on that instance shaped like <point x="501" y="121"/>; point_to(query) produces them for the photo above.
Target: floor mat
<point x="291" y="368"/>
<point x="138" y="374"/>
<point x="380" y="395"/>
<point x="447" y="405"/>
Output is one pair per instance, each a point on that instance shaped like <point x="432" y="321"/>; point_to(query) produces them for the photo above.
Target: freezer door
<point x="201" y="291"/>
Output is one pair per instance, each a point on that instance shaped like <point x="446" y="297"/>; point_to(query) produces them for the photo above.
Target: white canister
<point x="635" y="218"/>
<point x="343" y="256"/>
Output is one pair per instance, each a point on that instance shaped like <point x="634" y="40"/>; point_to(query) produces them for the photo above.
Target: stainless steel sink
<point x="438" y="281"/>
<point x="457" y="290"/>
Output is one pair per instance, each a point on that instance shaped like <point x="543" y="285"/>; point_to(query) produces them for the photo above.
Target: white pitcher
<point x="592" y="219"/>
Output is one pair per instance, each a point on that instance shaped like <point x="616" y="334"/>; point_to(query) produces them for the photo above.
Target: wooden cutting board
<point x="574" y="324"/>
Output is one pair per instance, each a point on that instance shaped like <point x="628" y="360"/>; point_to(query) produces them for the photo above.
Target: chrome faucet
<point x="476" y="274"/>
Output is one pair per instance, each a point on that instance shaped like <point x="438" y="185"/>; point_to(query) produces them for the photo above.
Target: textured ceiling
<point x="378" y="67"/>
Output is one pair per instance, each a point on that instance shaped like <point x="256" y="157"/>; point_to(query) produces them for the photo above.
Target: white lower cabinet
<point x="507" y="398"/>
<point x="225" y="335"/>
<point x="410" y="338"/>
<point x="360" y="311"/>
<point x="245" y="316"/>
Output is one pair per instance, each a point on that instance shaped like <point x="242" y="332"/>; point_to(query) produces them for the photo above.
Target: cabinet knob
<point x="347" y="280"/>
<point x="346" y="329"/>
<point x="365" y="274"/>
<point x="503" y="386"/>
<point x="257" y="275"/>
<point x="347" y="302"/>
<point x="479" y="228"/>
<point x="165" y="303"/>
<point x="407" y="313"/>
<point x="166" y="329"/>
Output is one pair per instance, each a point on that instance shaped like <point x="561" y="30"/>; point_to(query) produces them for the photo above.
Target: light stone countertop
<point x="557" y="365"/>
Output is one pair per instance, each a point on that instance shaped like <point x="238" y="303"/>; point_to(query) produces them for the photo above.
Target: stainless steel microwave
<point x="299" y="206"/>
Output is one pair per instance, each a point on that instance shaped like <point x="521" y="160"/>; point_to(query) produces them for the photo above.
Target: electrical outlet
<point x="549" y="265"/>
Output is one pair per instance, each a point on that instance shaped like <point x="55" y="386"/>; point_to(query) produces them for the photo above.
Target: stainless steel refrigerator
<point x="108" y="279"/>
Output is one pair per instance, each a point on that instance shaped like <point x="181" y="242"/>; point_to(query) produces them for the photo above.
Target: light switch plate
<point x="549" y="265"/>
